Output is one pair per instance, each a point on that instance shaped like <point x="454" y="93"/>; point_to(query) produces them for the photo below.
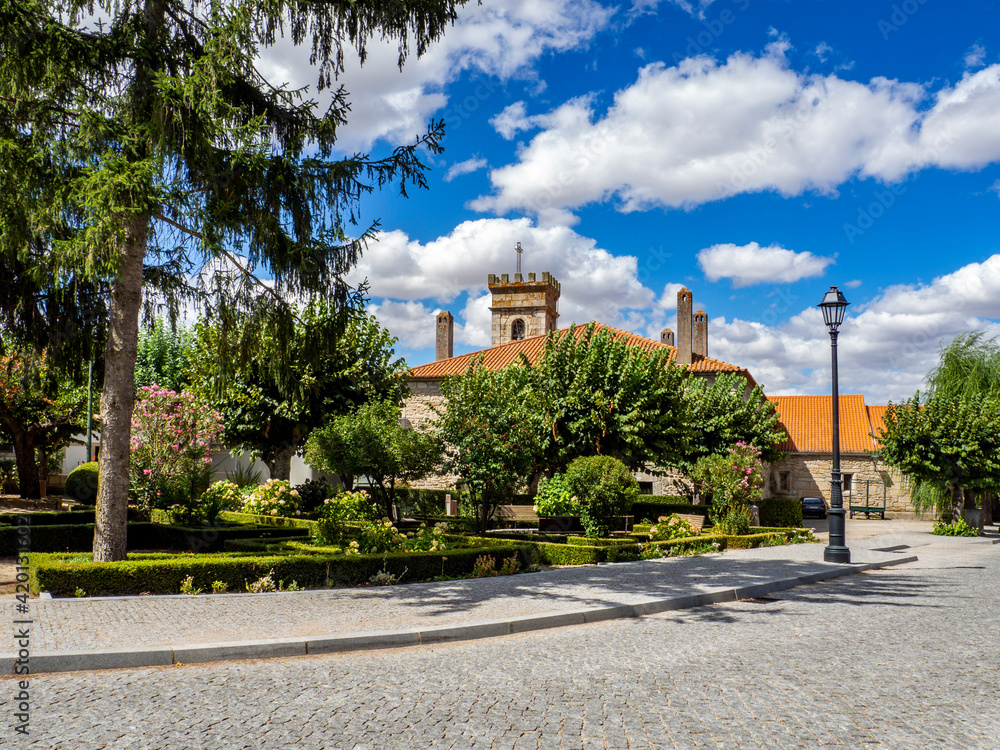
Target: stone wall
<point x="809" y="476"/>
<point x="417" y="411"/>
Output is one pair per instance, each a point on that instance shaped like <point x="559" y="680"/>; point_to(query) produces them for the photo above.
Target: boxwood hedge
<point x="80" y="537"/>
<point x="163" y="575"/>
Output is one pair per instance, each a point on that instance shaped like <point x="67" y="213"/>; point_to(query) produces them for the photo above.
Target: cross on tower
<point x="519" y="251"/>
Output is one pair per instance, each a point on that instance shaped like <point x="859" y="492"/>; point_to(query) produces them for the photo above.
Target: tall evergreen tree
<point x="151" y="145"/>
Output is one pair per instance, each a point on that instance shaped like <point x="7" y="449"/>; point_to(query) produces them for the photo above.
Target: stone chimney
<point x="684" y="327"/>
<point x="700" y="344"/>
<point x="445" y="335"/>
<point x="667" y="337"/>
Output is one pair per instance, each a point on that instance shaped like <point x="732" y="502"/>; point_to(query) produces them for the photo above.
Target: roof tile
<point x="808" y="422"/>
<point x="498" y="357"/>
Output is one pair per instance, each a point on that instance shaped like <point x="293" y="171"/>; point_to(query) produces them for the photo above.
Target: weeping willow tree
<point x="145" y="147"/>
<point x="947" y="440"/>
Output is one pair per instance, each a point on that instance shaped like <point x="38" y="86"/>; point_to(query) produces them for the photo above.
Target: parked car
<point x="813" y="506"/>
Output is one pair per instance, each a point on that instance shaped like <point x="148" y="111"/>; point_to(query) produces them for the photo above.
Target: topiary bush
<point x="81" y="484"/>
<point x="605" y="489"/>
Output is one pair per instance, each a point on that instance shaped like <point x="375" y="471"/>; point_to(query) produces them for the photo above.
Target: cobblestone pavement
<point x="902" y="658"/>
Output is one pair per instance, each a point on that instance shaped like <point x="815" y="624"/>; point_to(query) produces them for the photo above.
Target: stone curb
<point x="131" y="658"/>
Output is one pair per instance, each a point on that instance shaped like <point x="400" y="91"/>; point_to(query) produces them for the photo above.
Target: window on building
<point x="645" y="488"/>
<point x="848" y="482"/>
<point x="783" y="481"/>
<point x="517" y="330"/>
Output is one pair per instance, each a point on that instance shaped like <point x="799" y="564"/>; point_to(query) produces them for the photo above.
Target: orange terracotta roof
<point x="876" y="416"/>
<point x="498" y="357"/>
<point x="807" y="422"/>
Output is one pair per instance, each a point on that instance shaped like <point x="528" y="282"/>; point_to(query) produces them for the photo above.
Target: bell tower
<point x="522" y="309"/>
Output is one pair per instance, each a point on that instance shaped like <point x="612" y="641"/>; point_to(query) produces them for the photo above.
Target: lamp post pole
<point x="834" y="305"/>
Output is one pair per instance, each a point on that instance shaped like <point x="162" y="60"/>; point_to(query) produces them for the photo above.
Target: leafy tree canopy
<point x="945" y="442"/>
<point x="600" y="396"/>
<point x="39" y="414"/>
<point x="163" y="356"/>
<point x="371" y="442"/>
<point x="271" y="420"/>
<point x="491" y="424"/>
<point x="722" y="414"/>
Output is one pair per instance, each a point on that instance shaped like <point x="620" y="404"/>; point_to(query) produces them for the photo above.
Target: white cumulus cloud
<point x="500" y="39"/>
<point x="464" y="167"/>
<point x="706" y="130"/>
<point x="752" y="264"/>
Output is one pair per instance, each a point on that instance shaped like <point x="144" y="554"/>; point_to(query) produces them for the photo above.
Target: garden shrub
<point x="671" y="527"/>
<point x="81" y="483"/>
<point x="312" y="493"/>
<point x="733" y="519"/>
<point x="781" y="512"/>
<point x="219" y="497"/>
<point x="273" y="498"/>
<point x="284" y="521"/>
<point x="345" y="509"/>
<point x="605" y="488"/>
<point x="957" y="528"/>
<point x="141" y="535"/>
<point x="170" y="456"/>
<point x="554" y="497"/>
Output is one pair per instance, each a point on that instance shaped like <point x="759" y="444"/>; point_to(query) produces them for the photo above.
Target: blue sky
<point x="755" y="151"/>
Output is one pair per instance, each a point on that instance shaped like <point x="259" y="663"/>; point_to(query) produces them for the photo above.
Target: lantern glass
<point x="834" y="305"/>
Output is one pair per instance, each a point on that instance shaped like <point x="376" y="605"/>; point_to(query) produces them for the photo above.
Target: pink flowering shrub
<point x="735" y="481"/>
<point x="170" y="463"/>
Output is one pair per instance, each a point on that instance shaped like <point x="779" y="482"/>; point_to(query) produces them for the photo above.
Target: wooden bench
<point x="517" y="512"/>
<point x="868" y="508"/>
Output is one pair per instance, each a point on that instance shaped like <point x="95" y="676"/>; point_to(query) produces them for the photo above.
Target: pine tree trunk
<point x="117" y="400"/>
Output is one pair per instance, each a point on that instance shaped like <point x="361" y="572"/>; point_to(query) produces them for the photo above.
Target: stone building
<point x="806" y="472"/>
<point x="524" y="312"/>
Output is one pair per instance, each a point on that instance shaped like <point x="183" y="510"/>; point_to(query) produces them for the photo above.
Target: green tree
<point x="38" y="413"/>
<point x="606" y="490"/>
<point x="163" y="356"/>
<point x="490" y="424"/>
<point x="945" y="445"/>
<point x="721" y="414"/>
<point x="270" y="413"/>
<point x="600" y="396"/>
<point x="371" y="442"/>
<point x="968" y="366"/>
<point x="150" y="145"/>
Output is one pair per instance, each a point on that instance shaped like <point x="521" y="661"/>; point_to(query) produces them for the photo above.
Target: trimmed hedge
<point x="48" y="518"/>
<point x="653" y="510"/>
<point x="59" y="517"/>
<point x="782" y="512"/>
<point x="252" y="518"/>
<point x="573" y="554"/>
<point x="163" y="576"/>
<point x="80" y="537"/>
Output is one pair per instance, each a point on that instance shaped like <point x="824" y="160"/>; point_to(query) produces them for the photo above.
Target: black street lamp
<point x="834" y="305"/>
